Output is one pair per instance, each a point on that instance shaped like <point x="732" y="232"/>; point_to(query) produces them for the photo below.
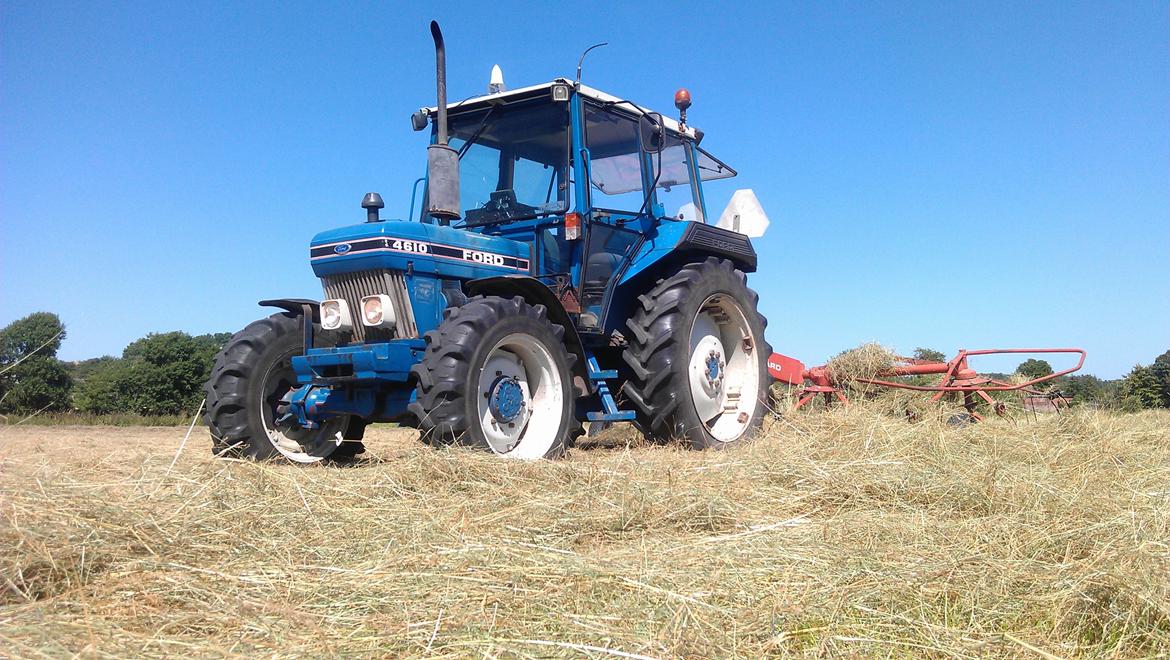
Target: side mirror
<point x="651" y="133"/>
<point x="418" y="121"/>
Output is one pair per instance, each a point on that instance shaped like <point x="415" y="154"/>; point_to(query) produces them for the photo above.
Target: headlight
<point x="377" y="311"/>
<point x="335" y="315"/>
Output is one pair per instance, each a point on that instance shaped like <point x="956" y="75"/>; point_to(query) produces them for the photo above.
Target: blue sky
<point x="937" y="174"/>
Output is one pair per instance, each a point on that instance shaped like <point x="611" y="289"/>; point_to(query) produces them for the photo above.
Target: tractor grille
<point x="352" y="287"/>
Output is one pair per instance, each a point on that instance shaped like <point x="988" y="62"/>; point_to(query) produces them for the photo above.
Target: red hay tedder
<point x="956" y="377"/>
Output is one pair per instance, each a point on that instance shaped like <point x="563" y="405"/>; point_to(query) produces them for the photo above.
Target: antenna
<point x="604" y="43"/>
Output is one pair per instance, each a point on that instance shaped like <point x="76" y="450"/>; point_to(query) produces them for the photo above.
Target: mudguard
<point x="677" y="241"/>
<point x="295" y="306"/>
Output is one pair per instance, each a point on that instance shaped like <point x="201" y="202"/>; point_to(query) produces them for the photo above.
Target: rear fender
<point x="535" y="292"/>
<point x="677" y="242"/>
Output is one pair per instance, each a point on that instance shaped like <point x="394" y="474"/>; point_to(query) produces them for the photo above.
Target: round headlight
<point x="372" y="311"/>
<point x="335" y="315"/>
<point x="378" y="311"/>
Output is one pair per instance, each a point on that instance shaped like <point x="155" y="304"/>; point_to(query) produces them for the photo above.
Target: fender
<point x="295" y="306"/>
<point x="680" y="242"/>
<point x="299" y="307"/>
<point x="536" y="293"/>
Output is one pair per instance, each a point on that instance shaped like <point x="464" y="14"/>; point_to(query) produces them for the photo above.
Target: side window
<point x="674" y="191"/>
<point x="615" y="160"/>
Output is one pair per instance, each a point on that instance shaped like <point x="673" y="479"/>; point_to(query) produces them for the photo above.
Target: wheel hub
<point x="506" y="399"/>
<point x="714" y="369"/>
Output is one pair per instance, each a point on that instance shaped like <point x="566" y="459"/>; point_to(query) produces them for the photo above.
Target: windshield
<point x="512" y="161"/>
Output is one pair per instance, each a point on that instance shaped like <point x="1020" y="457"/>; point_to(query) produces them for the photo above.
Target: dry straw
<point x="846" y="532"/>
<point x="867" y="361"/>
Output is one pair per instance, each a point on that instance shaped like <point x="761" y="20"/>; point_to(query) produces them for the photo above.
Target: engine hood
<point x="421" y="248"/>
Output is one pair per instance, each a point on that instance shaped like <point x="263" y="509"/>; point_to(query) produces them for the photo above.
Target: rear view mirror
<point x="651" y="133"/>
<point x="418" y="120"/>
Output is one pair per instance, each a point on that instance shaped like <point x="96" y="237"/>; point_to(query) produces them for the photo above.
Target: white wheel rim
<point x="297" y="444"/>
<point x="723" y="369"/>
<point x="519" y="360"/>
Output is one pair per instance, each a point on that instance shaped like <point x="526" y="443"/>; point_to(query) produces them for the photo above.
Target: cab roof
<point x="543" y="89"/>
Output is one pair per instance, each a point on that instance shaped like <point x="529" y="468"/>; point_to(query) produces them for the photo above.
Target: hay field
<point x="839" y="533"/>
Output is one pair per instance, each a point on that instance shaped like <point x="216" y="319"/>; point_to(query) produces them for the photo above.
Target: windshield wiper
<point x="478" y="131"/>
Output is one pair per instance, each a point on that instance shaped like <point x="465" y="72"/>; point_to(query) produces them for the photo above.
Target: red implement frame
<point x="957" y="378"/>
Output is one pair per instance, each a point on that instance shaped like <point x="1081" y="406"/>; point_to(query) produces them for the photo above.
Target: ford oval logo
<point x="342" y="248"/>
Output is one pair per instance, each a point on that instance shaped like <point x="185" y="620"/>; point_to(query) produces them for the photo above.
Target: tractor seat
<point x="601" y="266"/>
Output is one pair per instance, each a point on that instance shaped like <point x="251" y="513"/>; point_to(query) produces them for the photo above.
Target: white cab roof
<point x="585" y="91"/>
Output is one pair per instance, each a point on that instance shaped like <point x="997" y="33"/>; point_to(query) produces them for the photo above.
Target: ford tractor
<point x="540" y="286"/>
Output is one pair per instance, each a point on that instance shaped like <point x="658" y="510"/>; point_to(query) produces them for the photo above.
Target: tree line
<point x="159" y="374"/>
<point x="163" y="374"/>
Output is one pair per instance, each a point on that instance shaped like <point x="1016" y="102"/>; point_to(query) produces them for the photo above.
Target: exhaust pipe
<point x="442" y="160"/>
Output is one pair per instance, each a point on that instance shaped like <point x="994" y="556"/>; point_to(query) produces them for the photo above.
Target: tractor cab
<point x="580" y="176"/>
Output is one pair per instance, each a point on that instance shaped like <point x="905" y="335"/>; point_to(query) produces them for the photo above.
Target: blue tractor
<point x="541" y="287"/>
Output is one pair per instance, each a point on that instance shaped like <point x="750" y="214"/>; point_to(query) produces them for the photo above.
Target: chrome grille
<point x="352" y="287"/>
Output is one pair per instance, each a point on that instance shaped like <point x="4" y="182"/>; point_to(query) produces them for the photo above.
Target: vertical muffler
<point x="442" y="160"/>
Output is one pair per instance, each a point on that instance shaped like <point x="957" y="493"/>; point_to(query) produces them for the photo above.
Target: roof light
<point x="682" y="101"/>
<point x="560" y="93"/>
<point x="496" y="82"/>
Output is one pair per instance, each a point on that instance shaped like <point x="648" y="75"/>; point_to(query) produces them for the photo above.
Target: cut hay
<point x="845" y="533"/>
<point x="865" y="362"/>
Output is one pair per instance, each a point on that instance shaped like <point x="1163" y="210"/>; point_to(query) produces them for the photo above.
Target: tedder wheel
<point x="250" y="376"/>
<point x="698" y="357"/>
<point x="496" y="376"/>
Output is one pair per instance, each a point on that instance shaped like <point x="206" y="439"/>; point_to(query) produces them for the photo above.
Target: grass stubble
<point x="836" y="532"/>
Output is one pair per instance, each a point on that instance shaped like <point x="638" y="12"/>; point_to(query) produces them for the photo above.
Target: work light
<point x="378" y="311"/>
<point x="335" y="315"/>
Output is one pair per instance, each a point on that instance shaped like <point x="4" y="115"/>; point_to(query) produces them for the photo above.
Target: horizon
<point x="969" y="176"/>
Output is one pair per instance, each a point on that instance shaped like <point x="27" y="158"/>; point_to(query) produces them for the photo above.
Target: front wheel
<point x="496" y="376"/>
<point x="698" y="358"/>
<point x="251" y="375"/>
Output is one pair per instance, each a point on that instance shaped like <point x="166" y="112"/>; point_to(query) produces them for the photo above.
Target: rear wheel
<point x="698" y="358"/>
<point x="496" y="376"/>
<point x="250" y="377"/>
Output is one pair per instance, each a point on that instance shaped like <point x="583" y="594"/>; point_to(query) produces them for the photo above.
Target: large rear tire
<point x="250" y="376"/>
<point x="496" y="376"/>
<point x="698" y="358"/>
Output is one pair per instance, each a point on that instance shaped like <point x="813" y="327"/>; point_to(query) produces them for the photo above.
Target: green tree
<point x="31" y="377"/>
<point x="1089" y="389"/>
<point x="1141" y="389"/>
<point x="104" y="389"/>
<point x="160" y="374"/>
<point x="1161" y="371"/>
<point x="1033" y="368"/>
<point x="929" y="355"/>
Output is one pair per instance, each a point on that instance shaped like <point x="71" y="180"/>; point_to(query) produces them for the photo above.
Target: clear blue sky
<point x="937" y="174"/>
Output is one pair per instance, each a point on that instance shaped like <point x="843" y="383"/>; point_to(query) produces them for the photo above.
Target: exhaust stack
<point x="442" y="160"/>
